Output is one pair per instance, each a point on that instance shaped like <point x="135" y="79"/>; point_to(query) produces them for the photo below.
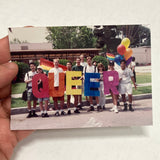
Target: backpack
<point x="86" y="69"/>
<point x="24" y="94"/>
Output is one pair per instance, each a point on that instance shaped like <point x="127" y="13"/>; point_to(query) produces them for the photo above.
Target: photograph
<point x="81" y="76"/>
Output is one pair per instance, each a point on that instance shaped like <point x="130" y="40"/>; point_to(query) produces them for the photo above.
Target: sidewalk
<point x="21" y="110"/>
<point x="141" y="116"/>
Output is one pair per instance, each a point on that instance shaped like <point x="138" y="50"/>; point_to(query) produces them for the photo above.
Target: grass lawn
<point x="143" y="78"/>
<point x="18" y="88"/>
<point x="142" y="90"/>
<point x="18" y="102"/>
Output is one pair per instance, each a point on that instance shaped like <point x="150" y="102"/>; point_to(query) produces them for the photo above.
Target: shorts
<point x="125" y="88"/>
<point x="43" y="99"/>
<point x="31" y="97"/>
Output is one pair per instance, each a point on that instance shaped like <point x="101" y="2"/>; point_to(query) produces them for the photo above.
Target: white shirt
<point x="126" y="75"/>
<point x="83" y="64"/>
<point x="56" y="72"/>
<point x="132" y="64"/>
<point x="89" y="69"/>
<point x="28" y="76"/>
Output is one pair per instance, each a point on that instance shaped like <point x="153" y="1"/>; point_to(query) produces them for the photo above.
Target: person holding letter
<point x="91" y="69"/>
<point x="78" y="67"/>
<point x="56" y="86"/>
<point x="114" y="96"/>
<point x="68" y="78"/>
<point x="45" y="99"/>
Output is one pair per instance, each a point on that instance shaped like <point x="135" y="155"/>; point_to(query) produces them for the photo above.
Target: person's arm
<point x="132" y="78"/>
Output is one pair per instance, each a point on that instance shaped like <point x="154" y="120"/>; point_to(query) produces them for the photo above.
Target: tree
<point x="139" y="35"/>
<point x="107" y="38"/>
<point x="71" y="37"/>
<point x="17" y="41"/>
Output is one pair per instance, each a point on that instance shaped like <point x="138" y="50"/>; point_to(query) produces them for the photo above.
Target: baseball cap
<point x="39" y="67"/>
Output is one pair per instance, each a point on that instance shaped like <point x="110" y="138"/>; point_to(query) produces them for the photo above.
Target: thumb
<point x="8" y="71"/>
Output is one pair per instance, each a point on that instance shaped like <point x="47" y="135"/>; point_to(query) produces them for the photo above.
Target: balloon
<point x="118" y="59"/>
<point x="128" y="61"/>
<point x="121" y="49"/>
<point x="125" y="42"/>
<point x="128" y="53"/>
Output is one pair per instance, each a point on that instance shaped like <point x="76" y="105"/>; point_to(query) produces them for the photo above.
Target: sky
<point x="29" y="34"/>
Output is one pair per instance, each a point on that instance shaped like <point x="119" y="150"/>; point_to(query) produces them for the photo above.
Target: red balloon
<point x="121" y="49"/>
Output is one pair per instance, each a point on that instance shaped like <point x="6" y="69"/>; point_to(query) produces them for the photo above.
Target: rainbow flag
<point x="47" y="65"/>
<point x="110" y="56"/>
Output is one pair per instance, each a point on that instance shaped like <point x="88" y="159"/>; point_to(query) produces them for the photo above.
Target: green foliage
<point x="107" y="38"/>
<point x="143" y="78"/>
<point x="139" y="35"/>
<point x="23" y="68"/>
<point x="18" y="88"/>
<point x="63" y="61"/>
<point x="101" y="59"/>
<point x="71" y="37"/>
<point x="18" y="102"/>
<point x="142" y="90"/>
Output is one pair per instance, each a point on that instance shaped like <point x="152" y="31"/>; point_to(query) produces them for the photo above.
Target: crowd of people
<point x="126" y="75"/>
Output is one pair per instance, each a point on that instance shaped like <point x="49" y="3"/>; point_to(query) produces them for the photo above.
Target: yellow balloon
<point x="128" y="53"/>
<point x="125" y="42"/>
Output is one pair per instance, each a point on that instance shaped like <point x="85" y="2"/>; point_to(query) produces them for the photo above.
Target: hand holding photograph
<point x="81" y="76"/>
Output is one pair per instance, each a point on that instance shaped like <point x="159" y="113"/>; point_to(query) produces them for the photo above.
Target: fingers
<point x="8" y="72"/>
<point x="5" y="91"/>
<point x="4" y="50"/>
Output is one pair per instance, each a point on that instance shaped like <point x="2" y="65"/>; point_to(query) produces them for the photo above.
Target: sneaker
<point x="130" y="108"/>
<point x="69" y="112"/>
<point x="104" y="108"/>
<point x="91" y="108"/>
<point x="99" y="109"/>
<point x="29" y="114"/>
<point x="63" y="113"/>
<point x="76" y="111"/>
<point x="42" y="115"/>
<point x="112" y="109"/>
<point x="79" y="107"/>
<point x="116" y="110"/>
<point x="34" y="113"/>
<point x="46" y="115"/>
<point x="125" y="107"/>
<point x="57" y="113"/>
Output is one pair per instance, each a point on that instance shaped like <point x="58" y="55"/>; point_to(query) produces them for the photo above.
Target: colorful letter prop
<point x="70" y="83"/>
<point x="56" y="91"/>
<point x="91" y="88"/>
<point x="44" y="91"/>
<point x="111" y="81"/>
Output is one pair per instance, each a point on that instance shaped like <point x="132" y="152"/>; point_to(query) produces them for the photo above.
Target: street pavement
<point x="141" y="116"/>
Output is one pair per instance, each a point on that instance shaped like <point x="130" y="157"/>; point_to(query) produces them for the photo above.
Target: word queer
<point x="91" y="84"/>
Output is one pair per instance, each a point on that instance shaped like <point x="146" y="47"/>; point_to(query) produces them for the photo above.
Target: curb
<point x="22" y="110"/>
